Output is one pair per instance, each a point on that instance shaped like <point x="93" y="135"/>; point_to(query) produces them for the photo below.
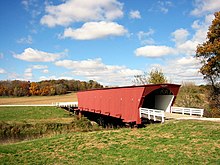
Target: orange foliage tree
<point x="34" y="89"/>
<point x="209" y="55"/>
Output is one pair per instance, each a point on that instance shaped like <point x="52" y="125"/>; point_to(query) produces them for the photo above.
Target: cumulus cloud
<point x="188" y="46"/>
<point x="180" y="36"/>
<point x="183" y="45"/>
<point x="146" y="37"/>
<point x="201" y="28"/>
<point x="71" y="11"/>
<point x="95" y="69"/>
<point x="94" y="30"/>
<point x="134" y="14"/>
<point x="2" y="71"/>
<point x="182" y="69"/>
<point x="25" y="40"/>
<point x="205" y="6"/>
<point x="34" y="55"/>
<point x="28" y="75"/>
<point x="28" y="72"/>
<point x="154" y="51"/>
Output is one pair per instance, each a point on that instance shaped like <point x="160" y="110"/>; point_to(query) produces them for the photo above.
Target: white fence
<point x="152" y="113"/>
<point x="66" y="104"/>
<point x="190" y="111"/>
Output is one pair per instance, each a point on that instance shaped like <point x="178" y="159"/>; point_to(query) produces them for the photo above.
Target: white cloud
<point x="183" y="45"/>
<point x="25" y="40"/>
<point x="183" y="69"/>
<point x="187" y="48"/>
<point x="94" y="30"/>
<point x="2" y="71"/>
<point x="205" y="6"/>
<point x="45" y="71"/>
<point x="135" y="14"/>
<point x="81" y="11"/>
<point x="201" y="28"/>
<point x="28" y="75"/>
<point x="180" y="36"/>
<point x="154" y="51"/>
<point x="145" y="37"/>
<point x="161" y="6"/>
<point x="55" y="78"/>
<point x="34" y="55"/>
<point x="95" y="69"/>
<point x="39" y="66"/>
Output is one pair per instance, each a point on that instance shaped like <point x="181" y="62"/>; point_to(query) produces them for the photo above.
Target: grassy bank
<point x="20" y="123"/>
<point x="177" y="142"/>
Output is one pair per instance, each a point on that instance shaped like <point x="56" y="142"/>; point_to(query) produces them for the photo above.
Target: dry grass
<point x="38" y="99"/>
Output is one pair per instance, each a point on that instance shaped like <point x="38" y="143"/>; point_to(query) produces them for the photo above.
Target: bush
<point x="190" y="95"/>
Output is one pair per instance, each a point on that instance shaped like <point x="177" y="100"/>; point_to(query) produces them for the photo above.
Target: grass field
<point x="37" y="99"/>
<point x="20" y="114"/>
<point x="176" y="142"/>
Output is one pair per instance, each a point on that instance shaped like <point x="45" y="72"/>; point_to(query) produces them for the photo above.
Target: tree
<point x="155" y="76"/>
<point x="140" y="79"/>
<point x="209" y="55"/>
<point x="34" y="89"/>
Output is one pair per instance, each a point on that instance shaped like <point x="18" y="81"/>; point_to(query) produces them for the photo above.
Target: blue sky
<point x="109" y="41"/>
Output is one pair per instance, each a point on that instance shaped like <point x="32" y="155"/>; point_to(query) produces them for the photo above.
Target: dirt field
<point x="38" y="99"/>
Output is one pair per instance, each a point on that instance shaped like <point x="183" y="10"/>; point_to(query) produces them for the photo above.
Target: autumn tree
<point x="34" y="89"/>
<point x="209" y="55"/>
<point x="155" y="76"/>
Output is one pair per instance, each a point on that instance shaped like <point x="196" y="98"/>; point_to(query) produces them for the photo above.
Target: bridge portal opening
<point x="160" y="99"/>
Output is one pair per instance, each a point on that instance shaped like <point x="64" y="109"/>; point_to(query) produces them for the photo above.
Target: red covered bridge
<point x="131" y="103"/>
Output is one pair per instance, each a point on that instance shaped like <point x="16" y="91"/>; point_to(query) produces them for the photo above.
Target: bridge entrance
<point x="160" y="99"/>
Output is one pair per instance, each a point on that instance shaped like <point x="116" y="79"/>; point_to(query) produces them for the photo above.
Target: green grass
<point x="176" y="142"/>
<point x="20" y="123"/>
<point x="30" y="113"/>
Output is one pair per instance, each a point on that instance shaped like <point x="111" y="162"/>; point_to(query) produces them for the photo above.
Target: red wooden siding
<point x="120" y="102"/>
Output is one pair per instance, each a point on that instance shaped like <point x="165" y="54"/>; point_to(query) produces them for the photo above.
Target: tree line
<point x="44" y="88"/>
